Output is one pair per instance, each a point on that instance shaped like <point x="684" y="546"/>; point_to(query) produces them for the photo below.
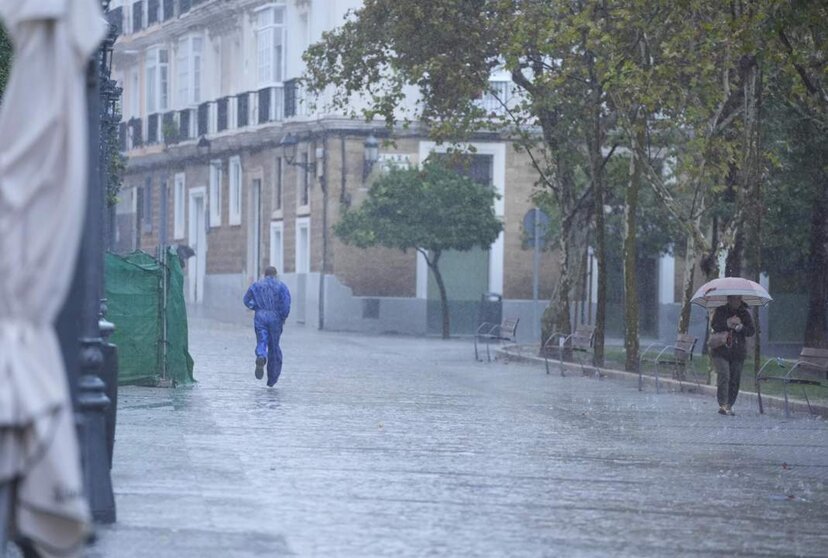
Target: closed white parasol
<point x="43" y="178"/>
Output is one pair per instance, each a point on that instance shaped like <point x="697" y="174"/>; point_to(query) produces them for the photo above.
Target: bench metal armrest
<point x="665" y="348"/>
<point x="556" y="335"/>
<point x="778" y="361"/>
<point x="486" y="329"/>
<point x="650" y="346"/>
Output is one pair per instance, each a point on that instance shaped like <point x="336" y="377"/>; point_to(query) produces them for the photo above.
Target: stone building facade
<point x="210" y="91"/>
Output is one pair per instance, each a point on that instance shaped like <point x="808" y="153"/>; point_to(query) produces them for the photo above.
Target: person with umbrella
<point x="733" y="324"/>
<point x="729" y="297"/>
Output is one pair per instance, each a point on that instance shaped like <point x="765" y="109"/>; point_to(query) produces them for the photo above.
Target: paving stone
<point x="396" y="446"/>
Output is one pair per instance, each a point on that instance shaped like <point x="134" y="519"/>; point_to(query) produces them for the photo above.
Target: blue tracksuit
<point x="270" y="298"/>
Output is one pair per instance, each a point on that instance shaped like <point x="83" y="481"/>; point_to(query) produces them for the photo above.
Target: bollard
<point x="5" y="514"/>
<point x="109" y="374"/>
<point x="92" y="403"/>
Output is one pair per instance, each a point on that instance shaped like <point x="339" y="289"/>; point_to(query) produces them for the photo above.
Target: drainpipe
<point x="323" y="184"/>
<point x="344" y="198"/>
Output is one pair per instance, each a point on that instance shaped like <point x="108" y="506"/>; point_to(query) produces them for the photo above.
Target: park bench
<point x="580" y="342"/>
<point x="677" y="356"/>
<point x="810" y="369"/>
<point x="488" y="332"/>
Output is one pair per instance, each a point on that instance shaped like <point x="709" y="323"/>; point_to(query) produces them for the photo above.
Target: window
<point x="303" y="245"/>
<point x="154" y="14"/>
<point x="497" y="98"/>
<point x="277" y="246"/>
<point x="188" y="70"/>
<point x="157" y="80"/>
<point x="137" y="16"/>
<point x="303" y="180"/>
<point x="277" y="185"/>
<point x="215" y="193"/>
<point x="134" y="95"/>
<point x="235" y="191"/>
<point x="178" y="210"/>
<point x="146" y="207"/>
<point x="270" y="44"/>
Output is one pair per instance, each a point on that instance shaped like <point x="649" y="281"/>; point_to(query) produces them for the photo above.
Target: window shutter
<point x="169" y="10"/>
<point x="137" y="16"/>
<point x="203" y="113"/>
<point x="222" y="114"/>
<point x="152" y="12"/>
<point x="264" y="105"/>
<point x="243" y="108"/>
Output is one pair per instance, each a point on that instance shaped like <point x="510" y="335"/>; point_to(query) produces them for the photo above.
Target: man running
<point x="270" y="299"/>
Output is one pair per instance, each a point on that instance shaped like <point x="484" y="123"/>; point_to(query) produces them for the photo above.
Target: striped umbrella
<point x="714" y="293"/>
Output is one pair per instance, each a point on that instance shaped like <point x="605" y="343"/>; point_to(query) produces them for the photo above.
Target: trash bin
<point x="491" y="309"/>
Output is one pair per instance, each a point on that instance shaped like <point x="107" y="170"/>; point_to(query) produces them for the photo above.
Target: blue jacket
<point x="270" y="298"/>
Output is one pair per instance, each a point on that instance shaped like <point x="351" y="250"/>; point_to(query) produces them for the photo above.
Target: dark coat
<point x="738" y="349"/>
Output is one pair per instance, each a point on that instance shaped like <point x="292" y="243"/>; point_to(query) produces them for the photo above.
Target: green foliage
<point x="432" y="209"/>
<point x="678" y="70"/>
<point x="656" y="229"/>
<point x="794" y="184"/>
<point x="116" y="161"/>
<point x="6" y="54"/>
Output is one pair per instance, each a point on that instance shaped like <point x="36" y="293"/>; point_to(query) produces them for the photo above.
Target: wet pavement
<point x="394" y="446"/>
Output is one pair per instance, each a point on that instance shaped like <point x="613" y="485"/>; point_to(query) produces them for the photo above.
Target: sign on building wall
<point x="390" y="161"/>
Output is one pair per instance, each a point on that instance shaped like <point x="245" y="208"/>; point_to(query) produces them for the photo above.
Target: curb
<point x="668" y="384"/>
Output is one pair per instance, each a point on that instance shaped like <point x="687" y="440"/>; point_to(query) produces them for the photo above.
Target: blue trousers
<point x="268" y="332"/>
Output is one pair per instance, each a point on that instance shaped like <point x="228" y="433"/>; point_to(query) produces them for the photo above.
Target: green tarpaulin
<point x="136" y="305"/>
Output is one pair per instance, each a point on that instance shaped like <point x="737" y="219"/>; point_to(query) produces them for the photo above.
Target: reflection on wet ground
<point x="379" y="446"/>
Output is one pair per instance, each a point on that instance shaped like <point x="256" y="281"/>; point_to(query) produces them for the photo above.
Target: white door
<point x="198" y="242"/>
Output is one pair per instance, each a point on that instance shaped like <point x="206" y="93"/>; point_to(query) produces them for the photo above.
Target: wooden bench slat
<point x="814" y="352"/>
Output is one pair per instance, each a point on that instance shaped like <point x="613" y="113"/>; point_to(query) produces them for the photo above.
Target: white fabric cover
<point x="43" y="177"/>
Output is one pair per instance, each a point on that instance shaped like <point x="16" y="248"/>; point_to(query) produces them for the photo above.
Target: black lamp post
<point x="204" y="145"/>
<point x="288" y="144"/>
<point x="86" y="354"/>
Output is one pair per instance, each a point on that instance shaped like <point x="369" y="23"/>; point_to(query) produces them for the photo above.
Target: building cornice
<point x="269" y="137"/>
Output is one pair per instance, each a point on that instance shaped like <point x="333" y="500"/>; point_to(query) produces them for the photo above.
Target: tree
<point x="431" y="210"/>
<point x="801" y="54"/>
<point x="446" y="50"/>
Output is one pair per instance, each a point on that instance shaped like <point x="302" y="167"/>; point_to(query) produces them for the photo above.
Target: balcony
<point x="245" y="111"/>
<point x="145" y="14"/>
<point x="297" y="100"/>
<point x="498" y="99"/>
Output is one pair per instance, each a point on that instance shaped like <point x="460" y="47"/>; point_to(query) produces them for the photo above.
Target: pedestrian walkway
<point x="393" y="446"/>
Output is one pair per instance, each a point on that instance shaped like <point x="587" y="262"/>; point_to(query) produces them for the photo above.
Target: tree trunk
<point x="687" y="291"/>
<point x="432" y="264"/>
<point x="817" y="270"/>
<point x="749" y="242"/>
<point x="596" y="164"/>
<point x="556" y="317"/>
<point x="733" y="264"/>
<point x="631" y="310"/>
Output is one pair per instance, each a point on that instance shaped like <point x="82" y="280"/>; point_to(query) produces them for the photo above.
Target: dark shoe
<point x="722" y="410"/>
<point x="260" y="364"/>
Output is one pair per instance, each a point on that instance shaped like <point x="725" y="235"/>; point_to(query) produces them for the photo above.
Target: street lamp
<point x="203" y="146"/>
<point x="288" y="144"/>
<point x="371" y="155"/>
